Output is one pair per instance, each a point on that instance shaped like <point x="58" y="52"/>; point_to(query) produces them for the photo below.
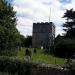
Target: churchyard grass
<point x="40" y="57"/>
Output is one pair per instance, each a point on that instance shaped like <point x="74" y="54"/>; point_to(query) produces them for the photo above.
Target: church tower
<point x="43" y="34"/>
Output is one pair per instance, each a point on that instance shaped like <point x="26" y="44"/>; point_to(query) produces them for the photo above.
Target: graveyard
<point x="41" y="48"/>
<point x="39" y="57"/>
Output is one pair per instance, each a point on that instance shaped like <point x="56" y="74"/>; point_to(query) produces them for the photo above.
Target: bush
<point x="13" y="67"/>
<point x="65" y="48"/>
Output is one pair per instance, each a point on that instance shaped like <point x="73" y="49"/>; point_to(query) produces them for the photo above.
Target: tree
<point x="26" y="41"/>
<point x="58" y="38"/>
<point x="22" y="38"/>
<point x="9" y="35"/>
<point x="69" y="25"/>
<point x="65" y="48"/>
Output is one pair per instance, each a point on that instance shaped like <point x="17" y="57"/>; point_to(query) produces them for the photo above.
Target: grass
<point x="40" y="57"/>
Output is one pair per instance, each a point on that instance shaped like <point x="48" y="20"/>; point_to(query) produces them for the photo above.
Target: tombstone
<point x="28" y="55"/>
<point x="27" y="52"/>
<point x="41" y="47"/>
<point x="35" y="50"/>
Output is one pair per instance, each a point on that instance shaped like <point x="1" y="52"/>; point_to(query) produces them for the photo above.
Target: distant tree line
<point x="26" y="41"/>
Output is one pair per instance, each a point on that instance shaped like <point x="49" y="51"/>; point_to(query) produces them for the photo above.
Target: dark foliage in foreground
<point x="13" y="67"/>
<point x="16" y="67"/>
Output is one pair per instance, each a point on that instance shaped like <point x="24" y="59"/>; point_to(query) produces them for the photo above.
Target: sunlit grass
<point x="40" y="57"/>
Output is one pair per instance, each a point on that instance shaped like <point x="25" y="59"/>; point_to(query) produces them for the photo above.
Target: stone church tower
<point x="43" y="34"/>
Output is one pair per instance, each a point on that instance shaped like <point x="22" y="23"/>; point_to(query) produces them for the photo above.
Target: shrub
<point x="14" y="66"/>
<point x="65" y="48"/>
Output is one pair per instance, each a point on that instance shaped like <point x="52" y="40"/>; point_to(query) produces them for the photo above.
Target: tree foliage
<point x="69" y="25"/>
<point x="9" y="35"/>
<point x="14" y="67"/>
<point x="65" y="45"/>
<point x="65" y="48"/>
<point x="26" y="41"/>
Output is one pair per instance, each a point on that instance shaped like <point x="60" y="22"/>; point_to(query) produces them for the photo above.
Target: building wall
<point x="40" y="39"/>
<point x="43" y="34"/>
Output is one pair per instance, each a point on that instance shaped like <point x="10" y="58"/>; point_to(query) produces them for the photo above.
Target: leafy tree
<point x="65" y="45"/>
<point x="9" y="35"/>
<point x="26" y="41"/>
<point x="22" y="38"/>
<point x="65" y="48"/>
<point x="58" y="38"/>
<point x="69" y="25"/>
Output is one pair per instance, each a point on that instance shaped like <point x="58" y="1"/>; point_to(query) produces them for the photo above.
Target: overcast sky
<point x="29" y="11"/>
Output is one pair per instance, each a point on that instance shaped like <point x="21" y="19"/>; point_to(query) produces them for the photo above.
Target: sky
<point x="30" y="11"/>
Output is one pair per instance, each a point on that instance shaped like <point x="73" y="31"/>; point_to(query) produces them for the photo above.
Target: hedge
<point x="12" y="67"/>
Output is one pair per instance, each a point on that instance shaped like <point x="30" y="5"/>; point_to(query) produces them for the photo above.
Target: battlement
<point x="43" y="23"/>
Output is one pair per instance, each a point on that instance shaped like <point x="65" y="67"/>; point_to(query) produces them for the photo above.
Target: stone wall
<point x="49" y="70"/>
